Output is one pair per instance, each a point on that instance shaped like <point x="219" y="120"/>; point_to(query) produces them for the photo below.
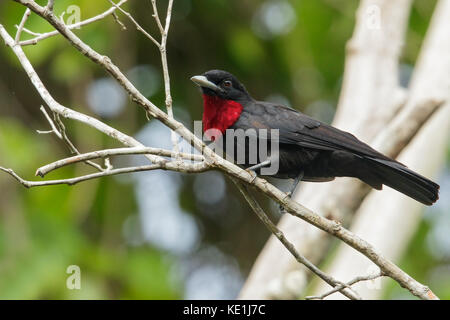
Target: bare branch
<point x="52" y="124"/>
<point x="430" y="82"/>
<point x="50" y="5"/>
<point x="216" y="161"/>
<point x="138" y="26"/>
<point x="44" y="131"/>
<point x="116" y="18"/>
<point x="370" y="105"/>
<point x="60" y="109"/>
<point x="42" y="171"/>
<point x="42" y="36"/>
<point x="165" y="67"/>
<point x="156" y="16"/>
<point x="339" y="286"/>
<point x="348" y="284"/>
<point x="387" y="267"/>
<point x="61" y="134"/>
<point x="36" y="34"/>
<point x="172" y="166"/>
<point x="108" y="164"/>
<point x="22" y="24"/>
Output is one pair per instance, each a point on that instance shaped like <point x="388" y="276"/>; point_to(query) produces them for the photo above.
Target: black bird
<point x="309" y="150"/>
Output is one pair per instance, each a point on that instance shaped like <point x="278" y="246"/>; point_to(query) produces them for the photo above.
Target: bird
<point x="308" y="149"/>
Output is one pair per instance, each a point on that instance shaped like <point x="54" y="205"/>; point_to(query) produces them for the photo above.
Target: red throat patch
<point x="219" y="114"/>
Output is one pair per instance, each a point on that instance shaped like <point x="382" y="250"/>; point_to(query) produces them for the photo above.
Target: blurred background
<point x="162" y="235"/>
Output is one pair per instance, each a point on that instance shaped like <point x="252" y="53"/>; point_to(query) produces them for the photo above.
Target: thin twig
<point x="22" y="24"/>
<point x="165" y="67"/>
<point x="61" y="134"/>
<point x="52" y="124"/>
<point x="116" y="18"/>
<point x="173" y="166"/>
<point x="36" y="34"/>
<point x="163" y="51"/>
<point x="42" y="36"/>
<point x="44" y="131"/>
<point x="138" y="26"/>
<point x="50" y="5"/>
<point x="348" y="284"/>
<point x="65" y="138"/>
<point x="156" y="16"/>
<point x="42" y="171"/>
<point x="339" y="286"/>
<point x="108" y="164"/>
<point x="63" y="111"/>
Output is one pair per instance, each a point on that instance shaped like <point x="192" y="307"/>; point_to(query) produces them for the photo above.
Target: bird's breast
<point x="219" y="114"/>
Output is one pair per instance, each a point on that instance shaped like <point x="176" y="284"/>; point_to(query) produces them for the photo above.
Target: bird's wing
<point x="299" y="129"/>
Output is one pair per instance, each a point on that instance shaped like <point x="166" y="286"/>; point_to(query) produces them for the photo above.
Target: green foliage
<point x="45" y="230"/>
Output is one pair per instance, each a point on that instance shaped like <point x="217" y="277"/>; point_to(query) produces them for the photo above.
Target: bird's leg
<point x="291" y="191"/>
<point x="257" y="166"/>
<point x="296" y="182"/>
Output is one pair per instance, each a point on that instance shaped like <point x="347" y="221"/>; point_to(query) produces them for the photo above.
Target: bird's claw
<point x="280" y="207"/>
<point x="252" y="173"/>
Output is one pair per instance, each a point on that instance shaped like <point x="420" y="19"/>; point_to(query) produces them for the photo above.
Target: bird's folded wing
<point x="299" y="129"/>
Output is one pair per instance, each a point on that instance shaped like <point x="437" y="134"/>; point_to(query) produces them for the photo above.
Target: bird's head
<point x="224" y="98"/>
<point x="221" y="84"/>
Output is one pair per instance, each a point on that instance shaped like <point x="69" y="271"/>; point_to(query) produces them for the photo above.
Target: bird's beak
<point x="203" y="82"/>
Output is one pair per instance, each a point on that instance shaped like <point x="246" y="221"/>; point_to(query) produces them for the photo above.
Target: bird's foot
<point x="252" y="173"/>
<point x="280" y="206"/>
<point x="291" y="191"/>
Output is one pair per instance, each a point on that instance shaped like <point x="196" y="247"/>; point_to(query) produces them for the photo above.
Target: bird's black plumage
<point x="317" y="150"/>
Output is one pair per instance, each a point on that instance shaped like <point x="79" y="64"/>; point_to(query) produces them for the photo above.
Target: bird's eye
<point x="227" y="83"/>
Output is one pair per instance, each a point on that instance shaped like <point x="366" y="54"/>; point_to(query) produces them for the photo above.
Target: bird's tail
<point x="404" y="180"/>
